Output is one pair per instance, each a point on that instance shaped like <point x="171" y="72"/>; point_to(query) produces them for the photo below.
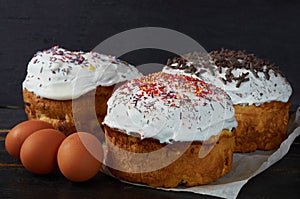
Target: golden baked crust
<point x="261" y="127"/>
<point x="59" y="112"/>
<point x="187" y="169"/>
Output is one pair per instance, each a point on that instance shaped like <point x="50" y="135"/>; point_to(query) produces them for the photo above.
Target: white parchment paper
<point x="245" y="166"/>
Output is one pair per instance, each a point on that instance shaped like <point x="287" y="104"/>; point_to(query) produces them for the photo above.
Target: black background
<point x="268" y="28"/>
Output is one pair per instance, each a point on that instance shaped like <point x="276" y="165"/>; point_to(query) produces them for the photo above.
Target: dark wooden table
<point x="281" y="180"/>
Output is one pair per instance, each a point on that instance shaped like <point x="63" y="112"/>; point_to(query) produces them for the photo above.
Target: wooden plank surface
<point x="278" y="181"/>
<point x="269" y="28"/>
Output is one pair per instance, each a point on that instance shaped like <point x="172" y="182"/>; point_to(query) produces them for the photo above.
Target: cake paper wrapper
<point x="244" y="167"/>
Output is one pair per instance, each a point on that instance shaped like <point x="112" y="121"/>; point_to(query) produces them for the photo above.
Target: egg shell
<point x="39" y="151"/>
<point x="17" y="135"/>
<point x="80" y="156"/>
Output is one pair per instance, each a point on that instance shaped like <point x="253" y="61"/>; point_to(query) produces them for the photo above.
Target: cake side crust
<point x="60" y="112"/>
<point x="261" y="127"/>
<point x="187" y="169"/>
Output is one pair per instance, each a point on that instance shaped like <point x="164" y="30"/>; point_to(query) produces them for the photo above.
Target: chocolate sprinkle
<point x="230" y="59"/>
<point x="189" y="63"/>
<point x="226" y="61"/>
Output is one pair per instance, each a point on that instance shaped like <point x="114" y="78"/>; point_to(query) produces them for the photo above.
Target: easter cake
<point x="167" y="130"/>
<point x="60" y="81"/>
<point x="259" y="91"/>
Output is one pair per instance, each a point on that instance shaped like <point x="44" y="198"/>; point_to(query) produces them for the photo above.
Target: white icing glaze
<point x="257" y="90"/>
<point x="170" y="108"/>
<point x="60" y="74"/>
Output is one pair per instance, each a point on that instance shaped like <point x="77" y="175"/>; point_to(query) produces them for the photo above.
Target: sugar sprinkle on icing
<point x="170" y="108"/>
<point x="61" y="74"/>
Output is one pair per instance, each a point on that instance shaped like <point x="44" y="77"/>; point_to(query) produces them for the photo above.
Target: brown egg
<point x="20" y="132"/>
<point x="80" y="156"/>
<point x="39" y="151"/>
